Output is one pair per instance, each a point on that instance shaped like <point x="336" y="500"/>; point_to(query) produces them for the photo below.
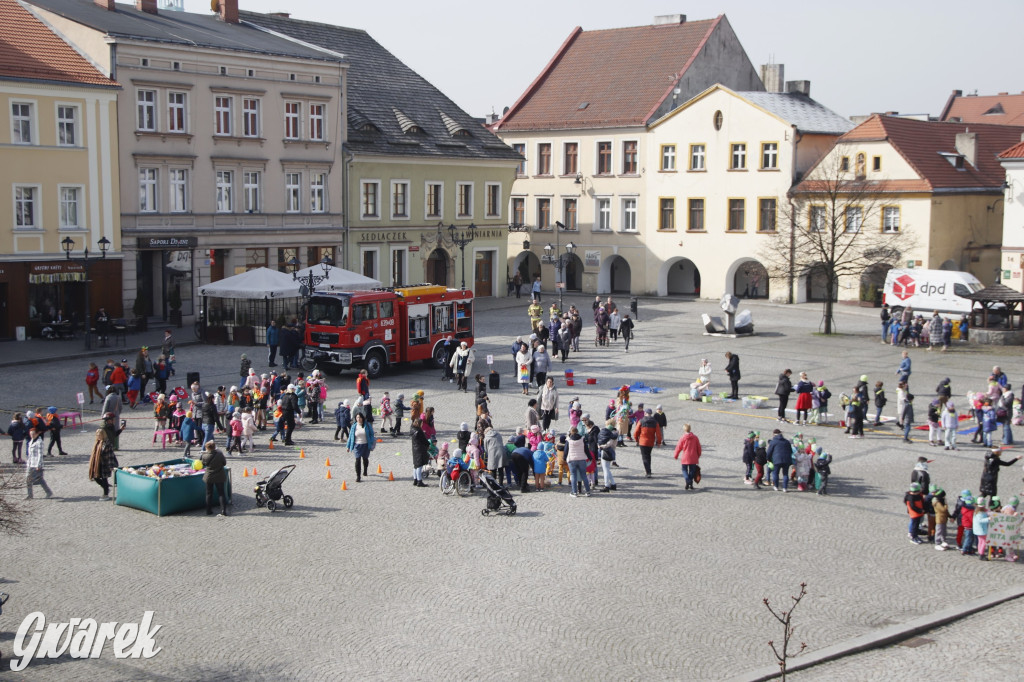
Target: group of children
<point x="811" y="465"/>
<point x="926" y="502"/>
<point x="43" y="422"/>
<point x="391" y="414"/>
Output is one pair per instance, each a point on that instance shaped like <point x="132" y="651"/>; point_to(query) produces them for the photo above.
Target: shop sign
<point x="592" y="259"/>
<point x="168" y="242"/>
<point x="53" y="268"/>
<point x="373" y="237"/>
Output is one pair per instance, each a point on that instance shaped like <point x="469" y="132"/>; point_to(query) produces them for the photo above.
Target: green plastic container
<point x="163" y="496"/>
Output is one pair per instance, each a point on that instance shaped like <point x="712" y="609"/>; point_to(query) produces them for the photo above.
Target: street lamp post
<point x="69" y="244"/>
<point x="310" y="281"/>
<point x="461" y="241"/>
<point x="560" y="261"/>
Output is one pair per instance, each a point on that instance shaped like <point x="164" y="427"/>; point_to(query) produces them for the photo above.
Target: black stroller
<point x="499" y="499"/>
<point x="268" y="491"/>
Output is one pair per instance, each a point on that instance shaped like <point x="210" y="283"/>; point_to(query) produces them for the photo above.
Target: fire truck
<point x="381" y="327"/>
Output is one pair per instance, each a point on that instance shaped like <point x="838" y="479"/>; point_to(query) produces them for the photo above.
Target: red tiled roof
<point x="1014" y="152"/>
<point x="622" y="74"/>
<point x="30" y="51"/>
<point x="923" y="143"/>
<point x="1001" y="109"/>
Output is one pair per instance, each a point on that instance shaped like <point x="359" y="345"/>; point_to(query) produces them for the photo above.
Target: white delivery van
<point x="928" y="290"/>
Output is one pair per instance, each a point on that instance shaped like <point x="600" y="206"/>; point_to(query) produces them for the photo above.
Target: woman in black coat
<point x="990" y="474"/>
<point x="420" y="454"/>
<point x="732" y="368"/>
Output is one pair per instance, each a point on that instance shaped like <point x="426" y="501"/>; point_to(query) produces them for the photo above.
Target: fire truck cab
<point x="381" y="327"/>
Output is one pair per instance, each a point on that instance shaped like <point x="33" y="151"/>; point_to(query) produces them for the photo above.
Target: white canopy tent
<point x="338" y="279"/>
<point x="259" y="283"/>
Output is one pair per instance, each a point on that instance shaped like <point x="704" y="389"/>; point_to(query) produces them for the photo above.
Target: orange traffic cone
<point x="328" y="462"/>
<point x="271" y="443"/>
<point x="391" y="475"/>
<point x="254" y="472"/>
<point x="329" y="477"/>
<point x="245" y="472"/>
<point x="380" y="470"/>
<point x="302" y="453"/>
<point x="344" y="485"/>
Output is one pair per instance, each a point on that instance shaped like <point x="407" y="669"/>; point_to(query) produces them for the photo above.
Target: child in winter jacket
<point x="914" y="502"/>
<point x="188" y="432"/>
<point x="822" y="465"/>
<point x="941" y="518"/>
<point x="248" y="429"/>
<point x="880" y="401"/>
<point x="387" y="414"/>
<point x="803" y="468"/>
<point x="343" y="420"/>
<point x="980" y="527"/>
<point x="760" y="460"/>
<point x="748" y="457"/>
<point x="134" y="384"/>
<point x="17" y="431"/>
<point x="235" y="432"/>
<point x="400" y="409"/>
<point x="949" y="420"/>
<point x="463" y="436"/>
<point x="966" y="516"/>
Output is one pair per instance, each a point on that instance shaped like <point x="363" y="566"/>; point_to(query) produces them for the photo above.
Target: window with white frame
<point x="292" y="120"/>
<point x="399" y="199"/>
<point x="434" y="200"/>
<point x="70" y="208"/>
<point x="21" y="123"/>
<point x="292" y="192"/>
<point x="668" y="157"/>
<point x="629" y="215"/>
<point x="147" y="190"/>
<point x="145" y="108"/>
<point x="67" y="125"/>
<point x="251" y="117"/>
<point x="817" y="217"/>
<point x="738" y="157"/>
<point x="604" y="214"/>
<point x="464" y="199"/>
<point x="225" y="199"/>
<point x="569" y="214"/>
<point x="370" y="193"/>
<point x="854" y="219"/>
<point x="518" y="210"/>
<point x="769" y="155"/>
<point x="25" y="207"/>
<point x="544" y="214"/>
<point x="318" y="192"/>
<point x="493" y="207"/>
<point x="520" y="149"/>
<point x="697" y="154"/>
<point x="251" y="190"/>
<point x="317" y="130"/>
<point x="222" y="115"/>
<point x="544" y="158"/>
<point x="891" y="219"/>
<point x="177" y="115"/>
<point x="178" y="180"/>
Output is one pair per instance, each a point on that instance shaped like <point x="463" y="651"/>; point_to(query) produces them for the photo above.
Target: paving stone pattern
<point x="388" y="581"/>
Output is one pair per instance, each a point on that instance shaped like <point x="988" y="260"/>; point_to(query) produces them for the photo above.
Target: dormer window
<point x="955" y="160"/>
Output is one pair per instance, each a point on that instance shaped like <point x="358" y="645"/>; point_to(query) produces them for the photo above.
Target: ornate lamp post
<point x="561" y="262"/>
<point x="69" y="244"/>
<point x="461" y="241"/>
<point x="310" y="281"/>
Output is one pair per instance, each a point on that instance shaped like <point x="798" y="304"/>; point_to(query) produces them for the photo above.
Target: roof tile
<point x="31" y="51"/>
<point x="1002" y="109"/>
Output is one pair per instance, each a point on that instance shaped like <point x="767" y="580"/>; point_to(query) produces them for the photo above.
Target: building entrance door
<point x="483" y="284"/>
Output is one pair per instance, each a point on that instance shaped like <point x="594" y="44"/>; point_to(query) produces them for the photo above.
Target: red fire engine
<point x="381" y="327"/>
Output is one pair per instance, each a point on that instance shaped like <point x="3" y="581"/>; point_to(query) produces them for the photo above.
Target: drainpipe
<point x="792" y="249"/>
<point x="346" y="160"/>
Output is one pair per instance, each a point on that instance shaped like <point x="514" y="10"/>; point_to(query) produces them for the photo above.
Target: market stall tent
<point x="259" y="283"/>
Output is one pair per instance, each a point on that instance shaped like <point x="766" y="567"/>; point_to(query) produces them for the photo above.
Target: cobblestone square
<point x="388" y="581"/>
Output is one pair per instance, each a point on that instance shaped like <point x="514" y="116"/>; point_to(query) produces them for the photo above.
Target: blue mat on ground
<point x="641" y="387"/>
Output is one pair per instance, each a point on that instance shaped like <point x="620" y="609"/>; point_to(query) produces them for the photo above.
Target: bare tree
<point x="12" y="513"/>
<point x="786" y="618"/>
<point x="837" y="228"/>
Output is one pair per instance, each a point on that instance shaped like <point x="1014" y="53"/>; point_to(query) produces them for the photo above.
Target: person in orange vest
<point x="54" y="426"/>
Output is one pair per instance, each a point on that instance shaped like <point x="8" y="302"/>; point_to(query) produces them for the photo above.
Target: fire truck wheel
<point x="438" y="359"/>
<point x="374" y="364"/>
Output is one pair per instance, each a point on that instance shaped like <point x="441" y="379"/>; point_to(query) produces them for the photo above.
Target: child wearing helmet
<point x="914" y="502"/>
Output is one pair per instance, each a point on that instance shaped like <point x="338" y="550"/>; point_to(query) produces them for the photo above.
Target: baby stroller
<point x="268" y="491"/>
<point x="499" y="499"/>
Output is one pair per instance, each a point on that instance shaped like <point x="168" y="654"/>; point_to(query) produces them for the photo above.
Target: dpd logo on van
<point x="903" y="287"/>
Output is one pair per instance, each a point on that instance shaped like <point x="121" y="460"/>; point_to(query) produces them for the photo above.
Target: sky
<point x="863" y="57"/>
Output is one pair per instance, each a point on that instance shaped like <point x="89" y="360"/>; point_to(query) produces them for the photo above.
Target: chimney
<point x="105" y="4"/>
<point x="799" y="87"/>
<point x="147" y="6"/>
<point x="669" y="19"/>
<point x="228" y="10"/>
<point x="967" y="146"/>
<point x="772" y="75"/>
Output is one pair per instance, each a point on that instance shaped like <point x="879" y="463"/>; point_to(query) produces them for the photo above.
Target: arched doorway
<point x="528" y="266"/>
<point x="615" y="276"/>
<point x="437" y="268"/>
<point x="750" y="280"/>
<point x="679" y="276"/>
<point x="872" y="282"/>
<point x="573" y="273"/>
<point x="816" y="283"/>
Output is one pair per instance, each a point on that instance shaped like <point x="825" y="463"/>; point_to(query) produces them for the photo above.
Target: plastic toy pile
<point x="192" y="468"/>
